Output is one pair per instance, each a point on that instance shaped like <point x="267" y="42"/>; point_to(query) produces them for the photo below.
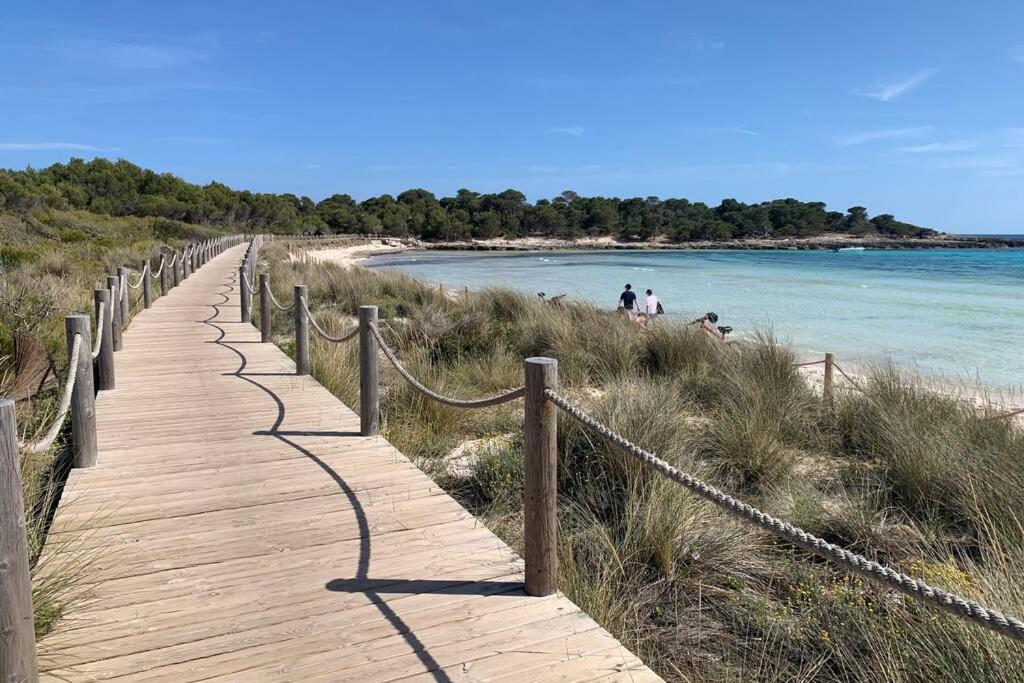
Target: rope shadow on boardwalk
<point x="363" y="565"/>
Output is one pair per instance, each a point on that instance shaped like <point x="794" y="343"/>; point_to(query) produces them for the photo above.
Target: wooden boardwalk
<point x="240" y="529"/>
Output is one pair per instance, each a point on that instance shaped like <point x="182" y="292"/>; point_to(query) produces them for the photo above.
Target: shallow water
<point x="957" y="313"/>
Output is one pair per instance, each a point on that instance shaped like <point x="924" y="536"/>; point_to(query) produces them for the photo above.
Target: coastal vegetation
<point x="123" y="189"/>
<point x="922" y="481"/>
<point x="918" y="480"/>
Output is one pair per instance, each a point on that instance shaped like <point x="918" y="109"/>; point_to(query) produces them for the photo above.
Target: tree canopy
<point x="123" y="189"/>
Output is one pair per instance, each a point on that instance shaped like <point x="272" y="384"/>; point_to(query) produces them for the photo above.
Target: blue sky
<point x="910" y="108"/>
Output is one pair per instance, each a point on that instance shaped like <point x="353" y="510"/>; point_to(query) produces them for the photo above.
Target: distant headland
<point x="468" y="220"/>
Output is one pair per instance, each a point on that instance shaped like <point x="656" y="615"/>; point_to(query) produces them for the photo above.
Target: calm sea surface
<point x="958" y="313"/>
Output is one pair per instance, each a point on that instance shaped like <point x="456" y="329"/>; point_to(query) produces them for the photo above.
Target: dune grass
<point x="899" y="472"/>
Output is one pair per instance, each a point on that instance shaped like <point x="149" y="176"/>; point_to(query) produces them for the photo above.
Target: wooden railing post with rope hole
<point x="540" y="494"/>
<point x="17" y="627"/>
<point x="83" y="398"/>
<point x="266" y="314"/>
<point x="105" y="359"/>
<point x="369" y="383"/>
<point x="114" y="287"/>
<point x="163" y="275"/>
<point x="301" y="332"/>
<point x="245" y="301"/>
<point x="828" y="383"/>
<point x="126" y="312"/>
<point x="147" y="286"/>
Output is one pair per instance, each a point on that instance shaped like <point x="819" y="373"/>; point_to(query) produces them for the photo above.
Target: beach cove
<point x="948" y="312"/>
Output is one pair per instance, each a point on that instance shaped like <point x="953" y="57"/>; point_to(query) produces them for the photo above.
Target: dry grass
<point x="905" y="475"/>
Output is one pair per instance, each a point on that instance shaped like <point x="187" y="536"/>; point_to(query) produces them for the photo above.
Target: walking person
<point x="627" y="300"/>
<point x="652" y="307"/>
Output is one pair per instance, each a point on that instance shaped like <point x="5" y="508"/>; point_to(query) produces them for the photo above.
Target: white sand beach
<point x="348" y="256"/>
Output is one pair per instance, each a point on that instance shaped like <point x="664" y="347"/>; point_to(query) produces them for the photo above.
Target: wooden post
<point x="369" y="387"/>
<point x="115" y="311"/>
<point x="177" y="269"/>
<point x="540" y="455"/>
<point x="266" y="312"/>
<point x="17" y="629"/>
<point x="827" y="385"/>
<point x="83" y="398"/>
<point x="246" y="298"/>
<point x="126" y="314"/>
<point x="147" y="286"/>
<point x="186" y="265"/>
<point x="105" y="361"/>
<point x="301" y="332"/>
<point x="163" y="275"/>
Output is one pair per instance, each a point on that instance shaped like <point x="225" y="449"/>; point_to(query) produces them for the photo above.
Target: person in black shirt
<point x="628" y="300"/>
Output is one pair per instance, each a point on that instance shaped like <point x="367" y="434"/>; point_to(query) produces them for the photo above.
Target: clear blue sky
<point x="910" y="108"/>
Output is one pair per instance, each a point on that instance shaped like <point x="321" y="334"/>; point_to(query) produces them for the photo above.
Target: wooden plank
<point x="240" y="528"/>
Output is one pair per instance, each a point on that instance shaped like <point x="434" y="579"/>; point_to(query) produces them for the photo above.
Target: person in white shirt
<point x="651" y="307"/>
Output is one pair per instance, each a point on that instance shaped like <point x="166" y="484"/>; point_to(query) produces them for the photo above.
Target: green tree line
<point x="123" y="189"/>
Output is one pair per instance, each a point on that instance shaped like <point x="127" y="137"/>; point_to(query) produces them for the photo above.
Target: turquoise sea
<point x="955" y="313"/>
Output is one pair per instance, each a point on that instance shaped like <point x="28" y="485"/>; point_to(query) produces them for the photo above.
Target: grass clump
<point x="899" y="472"/>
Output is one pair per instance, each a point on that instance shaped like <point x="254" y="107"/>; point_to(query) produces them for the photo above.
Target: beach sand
<point x="348" y="256"/>
<point x="983" y="398"/>
<point x="352" y="255"/>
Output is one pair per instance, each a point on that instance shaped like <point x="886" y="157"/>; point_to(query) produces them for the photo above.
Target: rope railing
<point x="856" y="384"/>
<point x="98" y="346"/>
<point x="320" y="331"/>
<point x="849" y="379"/>
<point x="248" y="285"/>
<point x="540" y="451"/>
<point x="504" y="397"/>
<point x="159" y="270"/>
<point x="142" y="276"/>
<point x="65" y="402"/>
<point x="951" y="602"/>
<point x="77" y="404"/>
<point x="278" y="306"/>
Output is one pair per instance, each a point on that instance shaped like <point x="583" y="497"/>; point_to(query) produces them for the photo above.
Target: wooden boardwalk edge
<point x="238" y="528"/>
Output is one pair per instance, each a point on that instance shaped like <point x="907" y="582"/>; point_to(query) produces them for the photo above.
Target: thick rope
<point x="277" y="305"/>
<point x="848" y="378"/>
<point x="510" y="395"/>
<point x="142" y="276"/>
<point x="65" y="401"/>
<point x="174" y="260"/>
<point x="961" y="607"/>
<point x="99" y="331"/>
<point x="320" y="331"/>
<point x="160" y="269"/>
<point x="248" y="284"/>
